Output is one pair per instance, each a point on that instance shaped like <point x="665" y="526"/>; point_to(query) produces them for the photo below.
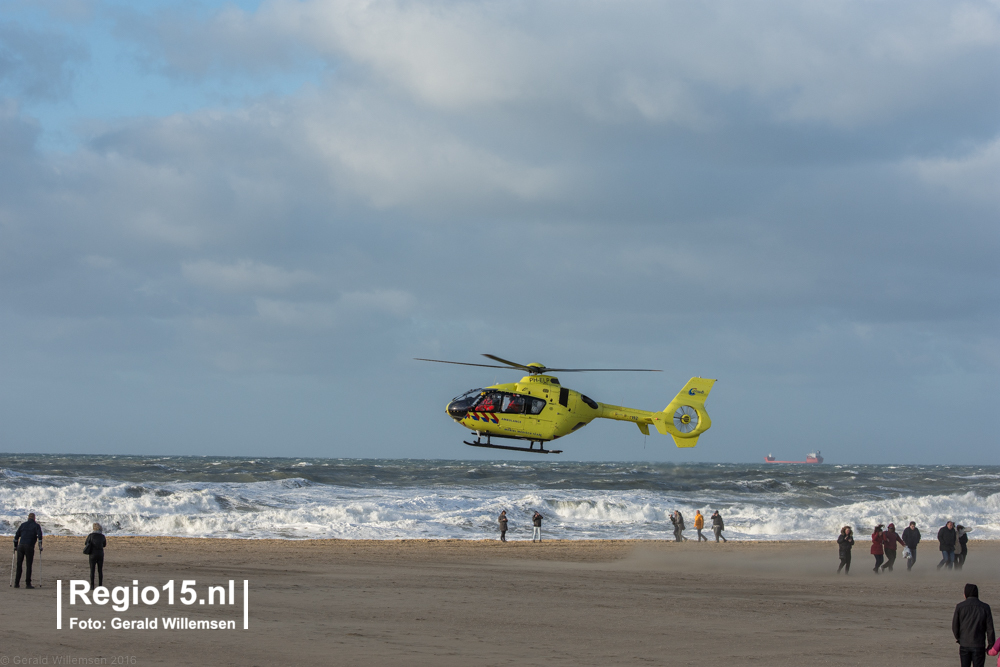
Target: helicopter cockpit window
<point x="490" y="402"/>
<point x="468" y="396"/>
<point x="513" y="404"/>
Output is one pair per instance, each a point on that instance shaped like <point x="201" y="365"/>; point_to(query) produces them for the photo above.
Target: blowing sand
<point x="454" y="602"/>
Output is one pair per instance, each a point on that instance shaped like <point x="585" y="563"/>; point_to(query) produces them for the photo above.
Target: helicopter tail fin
<point x="685" y="418"/>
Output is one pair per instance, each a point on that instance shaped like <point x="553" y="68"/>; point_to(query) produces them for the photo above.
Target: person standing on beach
<point x="96" y="543"/>
<point x="946" y="543"/>
<point x="878" y="547"/>
<point x="25" y="537"/>
<point x="699" y="525"/>
<point x="536" y="532"/>
<point x="891" y="538"/>
<point x="718" y="526"/>
<point x="680" y="526"/>
<point x="911" y="538"/>
<point x="503" y="525"/>
<point x="962" y="549"/>
<point x="972" y="626"/>
<point x="845" y="542"/>
<point x="677" y="526"/>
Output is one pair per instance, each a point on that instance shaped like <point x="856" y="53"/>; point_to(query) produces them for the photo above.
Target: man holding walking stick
<point x="27" y="534"/>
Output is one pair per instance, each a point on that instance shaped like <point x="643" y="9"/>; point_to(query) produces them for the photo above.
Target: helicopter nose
<point x="457" y="409"/>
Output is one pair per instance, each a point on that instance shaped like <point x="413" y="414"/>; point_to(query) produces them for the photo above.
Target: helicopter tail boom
<point x="684" y="419"/>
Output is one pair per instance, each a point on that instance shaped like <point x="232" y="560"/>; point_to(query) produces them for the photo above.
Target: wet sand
<point x="453" y="602"/>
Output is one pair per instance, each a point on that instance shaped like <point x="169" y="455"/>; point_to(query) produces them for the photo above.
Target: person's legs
<point x="944" y="559"/>
<point x="93" y="563"/>
<point x="100" y="570"/>
<point x="878" y="562"/>
<point x="972" y="657"/>
<point x="843" y="562"/>
<point x="536" y="534"/>
<point x="718" y="533"/>
<point x="29" y="558"/>
<point x="950" y="556"/>
<point x="17" y="573"/>
<point x="890" y="558"/>
<point x="503" y="535"/>
<point x="912" y="559"/>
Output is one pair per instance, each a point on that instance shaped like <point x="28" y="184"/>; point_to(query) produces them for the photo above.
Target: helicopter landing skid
<point x="540" y="450"/>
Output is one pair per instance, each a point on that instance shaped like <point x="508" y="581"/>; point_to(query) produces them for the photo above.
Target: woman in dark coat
<point x="96" y="542"/>
<point x="878" y="547"/>
<point x="845" y="542"/>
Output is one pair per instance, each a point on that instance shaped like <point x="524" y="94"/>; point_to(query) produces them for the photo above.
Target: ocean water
<point x="393" y="499"/>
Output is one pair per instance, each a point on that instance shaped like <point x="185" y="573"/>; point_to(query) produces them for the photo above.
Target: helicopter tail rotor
<point x="685" y="418"/>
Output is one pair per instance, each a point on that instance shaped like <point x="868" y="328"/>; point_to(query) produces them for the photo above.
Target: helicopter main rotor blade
<point x="603" y="370"/>
<point x="523" y="367"/>
<point x="460" y="363"/>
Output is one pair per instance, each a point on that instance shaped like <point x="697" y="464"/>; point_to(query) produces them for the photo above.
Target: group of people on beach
<point x="536" y="526"/>
<point x="676" y="518"/>
<point x="953" y="542"/>
<point x="29" y="533"/>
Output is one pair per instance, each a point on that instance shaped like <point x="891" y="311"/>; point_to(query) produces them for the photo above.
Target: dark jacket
<point x="27" y="534"/>
<point x="964" y="542"/>
<point x="973" y="624"/>
<point x="946" y="538"/>
<point x="891" y="539"/>
<point x="536" y="520"/>
<point x="911" y="537"/>
<point x="97" y="542"/>
<point x="846" y="542"/>
<point x="680" y="521"/>
<point x="717" y="522"/>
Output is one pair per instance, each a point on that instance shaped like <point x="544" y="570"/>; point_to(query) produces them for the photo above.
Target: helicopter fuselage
<point x="538" y="408"/>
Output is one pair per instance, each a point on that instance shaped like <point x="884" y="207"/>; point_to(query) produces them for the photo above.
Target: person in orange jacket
<point x="699" y="524"/>
<point x="878" y="547"/>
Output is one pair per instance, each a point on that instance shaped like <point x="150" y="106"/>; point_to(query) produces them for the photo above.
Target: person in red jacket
<point x="891" y="538"/>
<point x="878" y="547"/>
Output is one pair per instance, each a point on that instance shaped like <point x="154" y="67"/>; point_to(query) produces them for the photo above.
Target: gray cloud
<point x="37" y="65"/>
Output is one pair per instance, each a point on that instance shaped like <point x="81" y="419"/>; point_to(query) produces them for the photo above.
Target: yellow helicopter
<point x="539" y="409"/>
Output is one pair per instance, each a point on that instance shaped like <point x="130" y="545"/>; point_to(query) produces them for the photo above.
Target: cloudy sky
<point x="227" y="228"/>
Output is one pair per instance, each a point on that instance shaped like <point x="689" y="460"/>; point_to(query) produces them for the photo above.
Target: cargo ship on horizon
<point x="813" y="457"/>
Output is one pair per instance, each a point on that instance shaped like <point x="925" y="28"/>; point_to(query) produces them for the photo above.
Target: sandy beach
<point x="455" y="602"/>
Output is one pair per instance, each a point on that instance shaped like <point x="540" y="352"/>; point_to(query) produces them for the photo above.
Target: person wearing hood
<point x="911" y="537"/>
<point x="502" y="520"/>
<point x="962" y="549"/>
<point x="972" y="626"/>
<point x="891" y="538"/>
<point x="844" y="543"/>
<point x="946" y="543"/>
<point x="878" y="547"/>
<point x="718" y="526"/>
